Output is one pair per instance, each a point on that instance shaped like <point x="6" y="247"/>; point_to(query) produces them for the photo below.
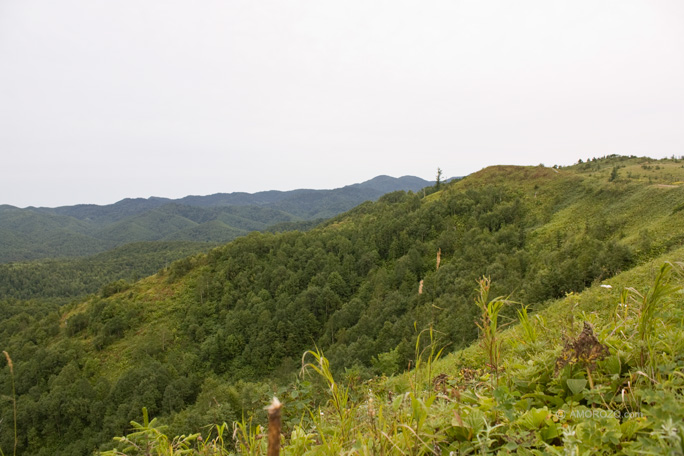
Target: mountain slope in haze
<point x="300" y="201"/>
<point x="27" y="234"/>
<point x="204" y="340"/>
<point x="81" y="230"/>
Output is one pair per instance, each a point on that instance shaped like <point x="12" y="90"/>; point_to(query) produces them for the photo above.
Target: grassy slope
<point x="563" y="193"/>
<point x="161" y="305"/>
<point x="454" y="405"/>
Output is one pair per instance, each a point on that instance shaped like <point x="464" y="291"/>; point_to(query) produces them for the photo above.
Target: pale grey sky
<point x="102" y="100"/>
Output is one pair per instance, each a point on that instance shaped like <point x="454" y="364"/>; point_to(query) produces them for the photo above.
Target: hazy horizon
<point x="444" y="178"/>
<point x="102" y="101"/>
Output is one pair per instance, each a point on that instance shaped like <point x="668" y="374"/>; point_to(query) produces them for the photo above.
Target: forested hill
<point x="66" y="279"/>
<point x="208" y="338"/>
<point x="81" y="230"/>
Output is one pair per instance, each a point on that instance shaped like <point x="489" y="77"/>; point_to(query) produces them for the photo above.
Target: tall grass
<point x="528" y="327"/>
<point x="489" y="323"/>
<point x="650" y="303"/>
<point x="149" y="438"/>
<point x="248" y="438"/>
<point x="339" y="396"/>
<point x="423" y="364"/>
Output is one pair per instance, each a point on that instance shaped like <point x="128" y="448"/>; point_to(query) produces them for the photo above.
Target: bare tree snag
<point x="274" y="427"/>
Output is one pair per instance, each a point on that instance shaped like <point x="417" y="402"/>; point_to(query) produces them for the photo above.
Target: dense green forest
<point x="66" y="279"/>
<point x="208" y="338"/>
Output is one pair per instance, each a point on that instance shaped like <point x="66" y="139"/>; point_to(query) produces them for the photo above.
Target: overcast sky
<point x="102" y="99"/>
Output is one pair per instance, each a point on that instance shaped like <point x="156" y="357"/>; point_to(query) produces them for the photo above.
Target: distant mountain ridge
<point x="72" y="231"/>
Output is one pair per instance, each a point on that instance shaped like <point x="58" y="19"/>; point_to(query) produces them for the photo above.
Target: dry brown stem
<point x="274" y="427"/>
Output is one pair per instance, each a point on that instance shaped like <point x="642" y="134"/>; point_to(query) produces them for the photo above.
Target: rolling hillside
<point x="209" y="338"/>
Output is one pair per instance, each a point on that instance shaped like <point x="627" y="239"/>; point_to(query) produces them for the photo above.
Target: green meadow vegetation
<point x="520" y="310"/>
